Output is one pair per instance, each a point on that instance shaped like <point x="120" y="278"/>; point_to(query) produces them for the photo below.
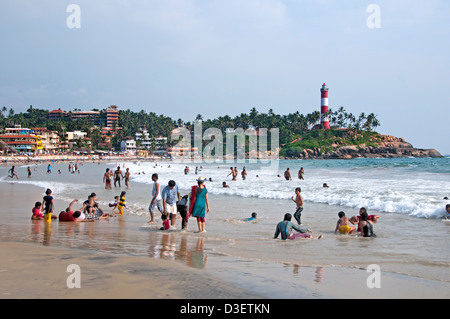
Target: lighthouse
<point x="324" y="107"/>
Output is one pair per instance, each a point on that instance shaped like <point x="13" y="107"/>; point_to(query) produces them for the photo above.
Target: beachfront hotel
<point x="22" y="140"/>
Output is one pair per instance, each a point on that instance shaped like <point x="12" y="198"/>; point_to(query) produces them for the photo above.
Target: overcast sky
<point x="217" y="57"/>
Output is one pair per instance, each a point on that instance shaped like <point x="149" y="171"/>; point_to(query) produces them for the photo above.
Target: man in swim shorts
<point x="343" y="226"/>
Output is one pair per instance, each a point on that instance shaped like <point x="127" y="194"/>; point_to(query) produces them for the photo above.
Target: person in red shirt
<point x="37" y="213"/>
<point x="70" y="216"/>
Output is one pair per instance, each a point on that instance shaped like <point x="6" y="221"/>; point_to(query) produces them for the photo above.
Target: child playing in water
<point x="299" y="205"/>
<point x="253" y="218"/>
<point x="166" y="224"/>
<point x="37" y="213"/>
<point x="121" y="204"/>
<point x="48" y="208"/>
<point x="114" y="203"/>
<point x="343" y="226"/>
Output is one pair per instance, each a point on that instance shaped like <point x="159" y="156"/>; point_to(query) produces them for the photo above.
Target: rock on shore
<point x="388" y="146"/>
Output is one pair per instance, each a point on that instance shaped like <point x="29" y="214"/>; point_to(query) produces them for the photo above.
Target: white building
<point x="158" y="145"/>
<point x="128" y="145"/>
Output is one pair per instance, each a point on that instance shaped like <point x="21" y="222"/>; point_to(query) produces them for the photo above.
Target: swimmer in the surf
<point x="447" y="211"/>
<point x="343" y="226"/>
<point x="253" y="217"/>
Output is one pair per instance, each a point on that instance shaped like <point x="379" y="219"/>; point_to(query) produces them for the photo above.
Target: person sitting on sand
<point x="285" y="228"/>
<point x="70" y="216"/>
<point x="37" y="213"/>
<point x="343" y="226"/>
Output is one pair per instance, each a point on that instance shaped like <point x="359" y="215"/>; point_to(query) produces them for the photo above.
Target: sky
<point x="181" y="58"/>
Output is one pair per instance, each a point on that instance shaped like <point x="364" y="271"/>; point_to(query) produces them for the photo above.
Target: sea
<point x="409" y="195"/>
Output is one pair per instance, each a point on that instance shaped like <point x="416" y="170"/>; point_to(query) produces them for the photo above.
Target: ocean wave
<point x="390" y="189"/>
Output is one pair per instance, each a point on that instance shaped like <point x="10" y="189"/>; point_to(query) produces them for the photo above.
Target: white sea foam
<point x="377" y="185"/>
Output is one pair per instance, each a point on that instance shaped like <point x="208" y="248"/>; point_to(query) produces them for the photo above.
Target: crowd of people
<point x="169" y="201"/>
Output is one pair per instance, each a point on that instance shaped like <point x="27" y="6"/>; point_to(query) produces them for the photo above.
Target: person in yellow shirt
<point x="122" y="202"/>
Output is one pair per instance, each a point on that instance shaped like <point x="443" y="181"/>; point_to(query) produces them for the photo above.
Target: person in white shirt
<point x="156" y="198"/>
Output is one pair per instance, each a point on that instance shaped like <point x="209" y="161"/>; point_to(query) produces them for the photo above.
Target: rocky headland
<point x="378" y="146"/>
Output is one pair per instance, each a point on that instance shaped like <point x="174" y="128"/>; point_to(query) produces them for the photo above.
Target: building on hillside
<point x="182" y="152"/>
<point x="56" y="114"/>
<point x="50" y="140"/>
<point x="157" y="145"/>
<point x="93" y="116"/>
<point x="112" y="117"/>
<point x="75" y="138"/>
<point x="128" y="145"/>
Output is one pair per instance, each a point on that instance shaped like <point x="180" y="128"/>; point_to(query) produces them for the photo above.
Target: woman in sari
<point x="199" y="204"/>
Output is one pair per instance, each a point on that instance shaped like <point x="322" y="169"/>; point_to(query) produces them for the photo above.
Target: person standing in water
<point x="117" y="175"/>
<point x="127" y="178"/>
<point x="156" y="201"/>
<point x="301" y="172"/>
<point x="199" y="198"/>
<point x="299" y="205"/>
<point x="287" y="175"/>
<point x="107" y="179"/>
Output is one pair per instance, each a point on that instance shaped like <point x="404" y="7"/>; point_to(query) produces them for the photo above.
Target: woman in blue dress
<point x="201" y="204"/>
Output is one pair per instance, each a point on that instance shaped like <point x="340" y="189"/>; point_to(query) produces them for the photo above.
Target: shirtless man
<point x="301" y="172"/>
<point x="244" y="173"/>
<point x="343" y="226"/>
<point x="299" y="205"/>
<point x="107" y="179"/>
<point x="117" y="175"/>
<point x="233" y="172"/>
<point x="127" y="178"/>
<point x="287" y="175"/>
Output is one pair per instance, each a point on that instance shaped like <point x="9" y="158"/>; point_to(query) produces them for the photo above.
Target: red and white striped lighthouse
<point x="324" y="107"/>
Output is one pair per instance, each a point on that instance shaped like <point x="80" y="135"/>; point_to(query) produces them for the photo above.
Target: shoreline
<point x="345" y="153"/>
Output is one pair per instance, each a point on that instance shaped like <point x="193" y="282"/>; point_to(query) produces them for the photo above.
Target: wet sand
<point x="30" y="271"/>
